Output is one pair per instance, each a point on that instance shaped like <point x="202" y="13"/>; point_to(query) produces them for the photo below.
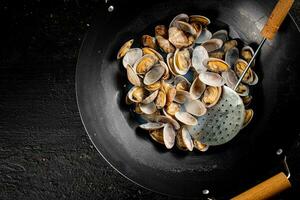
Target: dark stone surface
<point x="44" y="150"/>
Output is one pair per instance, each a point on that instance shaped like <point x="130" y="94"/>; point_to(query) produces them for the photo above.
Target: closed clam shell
<point x="181" y="17"/>
<point x="151" y="126"/>
<point x="150" y="98"/>
<point x="148" y="108"/>
<point x="221" y="34"/>
<point x="172" y="108"/>
<point x="229" y="45"/>
<point x="157" y="135"/>
<point x="204" y="36"/>
<point x="231" y="56"/>
<point x="181" y="96"/>
<point x="148" y="50"/>
<point x="153" y="87"/>
<point x="161" y="100"/>
<point x="124" y="49"/>
<point x="148" y="41"/>
<point x="211" y="79"/>
<point x="195" y="107"/>
<point x="216" y="65"/>
<point x="186" y="118"/>
<point x="182" y="61"/>
<point x="132" y="56"/>
<point x="161" y="30"/>
<point x="170" y="120"/>
<point x="197" y="88"/>
<point x="186" y="27"/>
<point x="169" y="135"/>
<point x="184" y="140"/>
<point x="248" y="117"/>
<point x="212" y="44"/>
<point x="132" y="77"/>
<point x="178" y="38"/>
<point x="199" y="19"/>
<point x="165" y="44"/>
<point x="239" y="68"/>
<point x="154" y="74"/>
<point x="199" y="55"/>
<point x="145" y="63"/>
<point x="136" y="94"/>
<point x="200" y="146"/>
<point x="211" y="96"/>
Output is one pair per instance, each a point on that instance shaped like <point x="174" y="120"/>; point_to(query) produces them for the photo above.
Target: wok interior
<point x="223" y="169"/>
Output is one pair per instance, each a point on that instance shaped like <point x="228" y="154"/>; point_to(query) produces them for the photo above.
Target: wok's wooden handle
<point x="276" y="18"/>
<point x="266" y="189"/>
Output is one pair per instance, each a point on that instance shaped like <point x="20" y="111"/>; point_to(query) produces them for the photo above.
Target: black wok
<point x="224" y="170"/>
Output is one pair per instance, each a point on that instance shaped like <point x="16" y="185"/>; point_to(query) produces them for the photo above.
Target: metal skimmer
<point x="222" y="122"/>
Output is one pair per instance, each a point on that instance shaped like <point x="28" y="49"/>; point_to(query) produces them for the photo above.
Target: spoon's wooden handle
<point x="266" y="189"/>
<point x="276" y="18"/>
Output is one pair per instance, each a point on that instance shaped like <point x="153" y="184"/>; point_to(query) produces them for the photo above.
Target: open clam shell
<point x="211" y="79"/>
<point x="200" y="146"/>
<point x="229" y="45"/>
<point x="186" y="27"/>
<point x="184" y="140"/>
<point x="150" y="126"/>
<point x="165" y="44"/>
<point x="216" y="65"/>
<point x="148" y="109"/>
<point x="149" y="41"/>
<point x="150" y="98"/>
<point x="161" y="30"/>
<point x="166" y="74"/>
<point x="212" y="44"/>
<point x="217" y="54"/>
<point x="161" y="100"/>
<point x="170" y="62"/>
<point x="195" y="107"/>
<point x="154" y="74"/>
<point x="247" y="100"/>
<point x="178" y="38"/>
<point x="182" y="61"/>
<point x="197" y="88"/>
<point x="169" y="135"/>
<point x="145" y="63"/>
<point x="211" y="96"/>
<point x="136" y="94"/>
<point x="132" y="56"/>
<point x="221" y="34"/>
<point x="172" y="108"/>
<point x="186" y="118"/>
<point x="231" y="56"/>
<point x="204" y="36"/>
<point x="248" y="117"/>
<point x="153" y="87"/>
<point x="181" y="17"/>
<point x="124" y="49"/>
<point x="239" y="68"/>
<point x="181" y="96"/>
<point x="199" y="19"/>
<point x="181" y="83"/>
<point x="148" y="50"/>
<point x="199" y="55"/>
<point x="157" y="135"/>
<point x="247" y="53"/>
<point x="166" y="120"/>
<point x="171" y="93"/>
<point x="132" y="77"/>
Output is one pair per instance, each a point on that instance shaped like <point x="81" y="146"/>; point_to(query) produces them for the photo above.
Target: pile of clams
<point x="178" y="75"/>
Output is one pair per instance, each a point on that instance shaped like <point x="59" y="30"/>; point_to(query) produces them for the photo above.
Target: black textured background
<point x="44" y="150"/>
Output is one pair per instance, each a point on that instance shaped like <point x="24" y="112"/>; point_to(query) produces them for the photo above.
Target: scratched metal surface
<point x="44" y="150"/>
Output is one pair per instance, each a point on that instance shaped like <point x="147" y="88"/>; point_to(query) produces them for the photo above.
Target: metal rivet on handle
<point x="279" y="152"/>
<point x="110" y="8"/>
<point x="205" y="191"/>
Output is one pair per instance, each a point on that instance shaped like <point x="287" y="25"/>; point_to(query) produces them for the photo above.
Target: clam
<point x="137" y="109"/>
<point x="178" y="38"/>
<point x="247" y="53"/>
<point x="197" y="88"/>
<point x="231" y="56"/>
<point x="128" y="101"/>
<point x="199" y="55"/>
<point x="230" y="78"/>
<point x="157" y="135"/>
<point x="148" y="41"/>
<point x="147" y="50"/>
<point x="195" y="107"/>
<point x="170" y="62"/>
<point x="248" y="117"/>
<point x="166" y="74"/>
<point x="171" y="93"/>
<point x="161" y="30"/>
<point x="154" y="74"/>
<point x="132" y="77"/>
<point x="204" y="36"/>
<point x="132" y="56"/>
<point x="211" y="79"/>
<point x="169" y="135"/>
<point x="161" y="100"/>
<point x="181" y="17"/>
<point x="212" y="44"/>
<point x="243" y="90"/>
<point x="150" y="126"/>
<point x="199" y="19"/>
<point x="136" y="94"/>
<point x="229" y="45"/>
<point x="153" y="87"/>
<point x="172" y="108"/>
<point x="149" y="108"/>
<point x="181" y="83"/>
<point x="186" y="118"/>
<point x="166" y="120"/>
<point x="221" y="34"/>
<point x="184" y="140"/>
<point x="200" y="146"/>
<point x="247" y="100"/>
<point x="181" y="96"/>
<point x="150" y="98"/>
<point x="186" y="27"/>
<point x="165" y="44"/>
<point x="211" y="96"/>
<point x="182" y="61"/>
<point x="198" y="28"/>
<point x="216" y="65"/>
<point x="124" y="49"/>
<point x="143" y="65"/>
<point x="217" y="54"/>
<point x="255" y="79"/>
<point x="239" y="68"/>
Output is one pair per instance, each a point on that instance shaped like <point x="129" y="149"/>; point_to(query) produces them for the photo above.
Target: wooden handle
<point x="266" y="189"/>
<point x="276" y="18"/>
